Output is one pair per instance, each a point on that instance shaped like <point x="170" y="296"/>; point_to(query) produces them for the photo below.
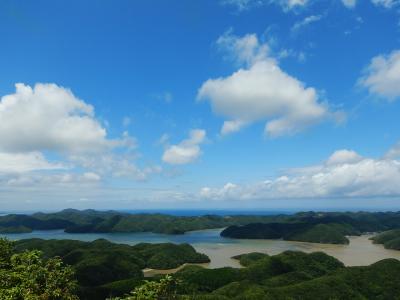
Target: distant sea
<point x="177" y="212"/>
<point x="201" y="212"/>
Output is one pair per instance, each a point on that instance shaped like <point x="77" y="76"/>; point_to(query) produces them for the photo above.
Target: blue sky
<point x="200" y="104"/>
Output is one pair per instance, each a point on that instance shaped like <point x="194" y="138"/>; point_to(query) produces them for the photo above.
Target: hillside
<point x="330" y="228"/>
<point x="294" y="275"/>
<point x="390" y="239"/>
<point x="102" y="267"/>
<point x="91" y="221"/>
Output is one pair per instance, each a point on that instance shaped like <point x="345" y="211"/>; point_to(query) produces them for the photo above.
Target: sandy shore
<point x="152" y="272"/>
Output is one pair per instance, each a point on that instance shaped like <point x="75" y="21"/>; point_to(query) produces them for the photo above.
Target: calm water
<point x="360" y="251"/>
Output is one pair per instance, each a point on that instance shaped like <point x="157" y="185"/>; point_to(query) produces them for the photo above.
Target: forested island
<point x="92" y="221"/>
<point x="100" y="270"/>
<point x="315" y="227"/>
<point x="390" y="239"/>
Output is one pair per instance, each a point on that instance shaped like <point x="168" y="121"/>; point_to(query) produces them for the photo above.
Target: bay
<point x="360" y="251"/>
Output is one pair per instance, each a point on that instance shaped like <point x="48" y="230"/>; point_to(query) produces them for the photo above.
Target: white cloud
<point x="245" y="50"/>
<point x="26" y="162"/>
<point x="91" y="176"/>
<point x="261" y="91"/>
<point x="242" y="5"/>
<point x="300" y="56"/>
<point x="232" y="126"/>
<point x="50" y="121"/>
<point x="228" y="191"/>
<point x="344" y="156"/>
<point x="186" y="151"/>
<point x="305" y="22"/>
<point x="49" y="117"/>
<point x="393" y="152"/>
<point x="382" y="76"/>
<point x="344" y="174"/>
<point x="349" y="3"/>
<point x="44" y="182"/>
<point x="290" y="4"/>
<point x="115" y="165"/>
<point x="126" y="121"/>
<point x="385" y="3"/>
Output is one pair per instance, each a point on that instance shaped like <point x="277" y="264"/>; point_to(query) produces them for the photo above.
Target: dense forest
<point x="104" y="268"/>
<point x="92" y="221"/>
<point x="390" y="239"/>
<point x="332" y="227"/>
<point x="33" y="274"/>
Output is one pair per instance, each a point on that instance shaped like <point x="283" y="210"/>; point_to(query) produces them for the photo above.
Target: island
<point x="314" y="227"/>
<point x="390" y="239"/>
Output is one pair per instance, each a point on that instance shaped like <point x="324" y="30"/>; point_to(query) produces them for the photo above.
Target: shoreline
<point x="360" y="252"/>
<point x="148" y="272"/>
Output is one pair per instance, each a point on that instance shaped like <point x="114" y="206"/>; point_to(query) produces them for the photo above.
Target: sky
<point x="216" y="104"/>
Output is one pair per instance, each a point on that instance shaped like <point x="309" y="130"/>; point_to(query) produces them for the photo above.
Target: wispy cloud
<point x="305" y="22"/>
<point x="242" y="5"/>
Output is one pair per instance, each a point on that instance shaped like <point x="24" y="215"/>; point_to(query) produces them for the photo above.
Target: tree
<point x="165" y="289"/>
<point x="27" y="276"/>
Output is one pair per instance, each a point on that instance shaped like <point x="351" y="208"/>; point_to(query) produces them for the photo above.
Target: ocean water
<point x="360" y="251"/>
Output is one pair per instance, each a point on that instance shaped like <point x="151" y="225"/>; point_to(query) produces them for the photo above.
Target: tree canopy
<point x="27" y="276"/>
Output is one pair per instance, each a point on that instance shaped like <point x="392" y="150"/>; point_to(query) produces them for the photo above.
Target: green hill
<point x="102" y="266"/>
<point x="390" y="239"/>
<point x="295" y="275"/>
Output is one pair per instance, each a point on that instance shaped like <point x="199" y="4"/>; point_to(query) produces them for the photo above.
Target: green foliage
<point x="287" y="279"/>
<point x="6" y="251"/>
<point x="289" y="275"/>
<point x="330" y="233"/>
<point x="306" y="226"/>
<point x="320" y="233"/>
<point x="26" y="276"/>
<point x="206" y="280"/>
<point x="259" y="227"/>
<point x="261" y="279"/>
<point x="390" y="239"/>
<point x="168" y="255"/>
<point x="165" y="289"/>
<point x="246" y="289"/>
<point x="15" y="229"/>
<point x="250" y="258"/>
<point x="121" y="287"/>
<point x="103" y="268"/>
